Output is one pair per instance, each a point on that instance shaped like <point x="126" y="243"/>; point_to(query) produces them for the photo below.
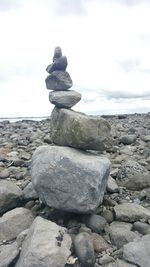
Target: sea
<point x="14" y="119"/>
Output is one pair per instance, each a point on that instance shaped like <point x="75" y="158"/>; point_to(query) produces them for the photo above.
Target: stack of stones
<point x="59" y="80"/>
<point x="68" y="175"/>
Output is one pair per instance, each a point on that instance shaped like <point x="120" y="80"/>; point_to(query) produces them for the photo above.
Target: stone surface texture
<point x="8" y="254"/>
<point x="46" y="244"/>
<point x="13" y="222"/>
<point x="138" y="252"/>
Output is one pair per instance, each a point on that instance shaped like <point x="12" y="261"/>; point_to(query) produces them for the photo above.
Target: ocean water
<point x="13" y="119"/>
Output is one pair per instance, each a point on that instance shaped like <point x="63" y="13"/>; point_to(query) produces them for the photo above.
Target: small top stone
<point x="57" y="53"/>
<point x="59" y="62"/>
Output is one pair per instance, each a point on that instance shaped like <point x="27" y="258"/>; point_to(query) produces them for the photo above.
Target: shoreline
<point x="41" y="118"/>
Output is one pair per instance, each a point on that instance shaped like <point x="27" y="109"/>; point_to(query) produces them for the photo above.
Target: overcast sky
<point x="107" y="43"/>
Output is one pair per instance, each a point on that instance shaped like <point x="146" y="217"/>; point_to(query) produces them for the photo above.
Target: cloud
<point x="130" y="64"/>
<point x="134" y="65"/>
<point x="125" y="95"/>
<point x="132" y="2"/>
<point x="70" y="7"/>
<point x="6" y="5"/>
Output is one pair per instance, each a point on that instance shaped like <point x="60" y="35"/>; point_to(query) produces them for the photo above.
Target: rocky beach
<point x="120" y="224"/>
<point x="74" y="188"/>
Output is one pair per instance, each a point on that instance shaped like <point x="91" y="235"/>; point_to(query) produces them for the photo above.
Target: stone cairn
<point x="67" y="175"/>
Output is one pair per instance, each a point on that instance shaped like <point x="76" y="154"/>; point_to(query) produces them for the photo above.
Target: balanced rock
<point x="64" y="99"/>
<point x="57" y="53"/>
<point x="59" y="61"/>
<point x="46" y="244"/>
<point x="70" y="128"/>
<point x="59" y="64"/>
<point x="69" y="179"/>
<point x="58" y="80"/>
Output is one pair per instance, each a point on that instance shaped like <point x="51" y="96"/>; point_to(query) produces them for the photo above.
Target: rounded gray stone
<point x="84" y="250"/>
<point x="58" y="81"/>
<point x="64" y="99"/>
<point x="10" y="195"/>
<point x="128" y="139"/>
<point x="13" y="222"/>
<point x="59" y="64"/>
<point x="96" y="222"/>
<point x="130" y="212"/>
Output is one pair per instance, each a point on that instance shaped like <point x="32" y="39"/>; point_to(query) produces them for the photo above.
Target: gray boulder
<point x="70" y="128"/>
<point x="46" y="244"/>
<point x="8" y="254"/>
<point x="14" y="222"/>
<point x="133" y="176"/>
<point x="64" y="99"/>
<point x="130" y="212"/>
<point x="58" y="81"/>
<point x="69" y="179"/>
<point x="138" y="252"/>
<point x="10" y="195"/>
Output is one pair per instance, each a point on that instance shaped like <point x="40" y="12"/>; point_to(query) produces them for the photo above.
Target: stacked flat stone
<point x="60" y="82"/>
<point x="65" y="175"/>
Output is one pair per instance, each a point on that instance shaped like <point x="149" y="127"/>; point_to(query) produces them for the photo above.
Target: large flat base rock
<point x="70" y="128"/>
<point x="69" y="179"/>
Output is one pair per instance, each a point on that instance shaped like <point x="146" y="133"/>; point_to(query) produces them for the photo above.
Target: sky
<point x="107" y="44"/>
